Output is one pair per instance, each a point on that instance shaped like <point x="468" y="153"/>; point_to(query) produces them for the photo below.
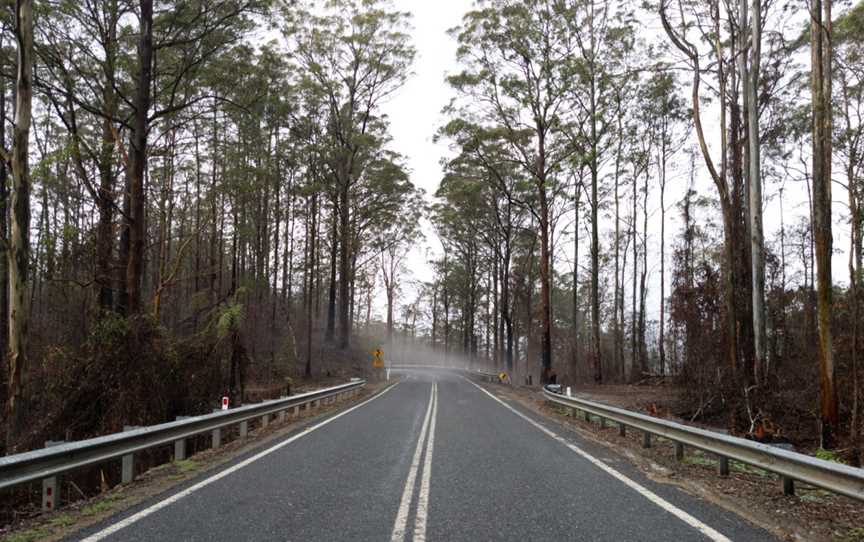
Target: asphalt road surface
<point x="434" y="457"/>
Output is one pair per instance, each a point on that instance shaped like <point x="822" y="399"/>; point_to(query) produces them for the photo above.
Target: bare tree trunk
<point x="137" y="194"/>
<point x="576" y="322"/>
<point x="105" y="201"/>
<point x="595" y="243"/>
<point x="19" y="242"/>
<point x="756" y="236"/>
<point x="634" y="350"/>
<point x="821" y="33"/>
<point x="4" y="236"/>
<point x="545" y="259"/>
<point x="310" y="294"/>
<point x="855" y="272"/>
<point x="643" y="291"/>
<point x="619" y="286"/>
<point x="330" y="333"/>
<point x="661" y="340"/>
<point x="344" y="262"/>
<point x="434" y="317"/>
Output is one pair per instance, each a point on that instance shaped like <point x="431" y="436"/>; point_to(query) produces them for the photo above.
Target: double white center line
<point x="401" y="524"/>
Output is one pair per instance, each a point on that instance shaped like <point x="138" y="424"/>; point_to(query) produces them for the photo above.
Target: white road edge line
<point x="401" y="522"/>
<point x="642" y="490"/>
<point x="104" y="533"/>
<point x="423" y="499"/>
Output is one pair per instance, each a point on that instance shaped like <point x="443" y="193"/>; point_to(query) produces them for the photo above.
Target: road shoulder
<point x="812" y="514"/>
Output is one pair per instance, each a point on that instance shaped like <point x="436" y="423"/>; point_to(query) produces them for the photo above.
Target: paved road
<point x="435" y="458"/>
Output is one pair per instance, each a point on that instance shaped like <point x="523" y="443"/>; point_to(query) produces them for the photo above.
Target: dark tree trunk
<point x="331" y="293"/>
<point x="138" y="158"/>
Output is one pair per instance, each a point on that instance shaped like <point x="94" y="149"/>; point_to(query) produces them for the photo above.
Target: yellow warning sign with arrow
<point x="378" y="359"/>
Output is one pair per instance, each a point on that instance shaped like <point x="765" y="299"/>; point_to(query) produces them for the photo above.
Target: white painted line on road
<point x="104" y="533"/>
<point x="423" y="498"/>
<point x="642" y="490"/>
<point x="401" y="522"/>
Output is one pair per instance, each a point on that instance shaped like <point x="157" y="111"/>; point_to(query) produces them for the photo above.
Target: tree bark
<point x="105" y="201"/>
<point x="19" y="242"/>
<point x="138" y="158"/>
<point x="595" y="243"/>
<point x="330" y="333"/>
<point x="821" y="51"/>
<point x="545" y="250"/>
<point x="310" y="293"/>
<point x="4" y="236"/>
<point x="756" y="236"/>
<point x="344" y="262"/>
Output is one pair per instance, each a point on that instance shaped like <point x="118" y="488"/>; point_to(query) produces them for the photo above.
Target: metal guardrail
<point x="791" y="466"/>
<point x="46" y="464"/>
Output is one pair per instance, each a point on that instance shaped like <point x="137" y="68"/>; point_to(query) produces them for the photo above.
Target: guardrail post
<point x="50" y="497"/>
<point x="265" y="419"/>
<point x="216" y="437"/>
<point x="127" y="470"/>
<point x="602" y="423"/>
<point x="282" y="413"/>
<point x="646" y="439"/>
<point x="788" y="486"/>
<point x="295" y="412"/>
<point x="244" y="429"/>
<point x="180" y="445"/>
<point x="180" y="449"/>
<point x="622" y="430"/>
<point x="723" y="465"/>
<point x="679" y="451"/>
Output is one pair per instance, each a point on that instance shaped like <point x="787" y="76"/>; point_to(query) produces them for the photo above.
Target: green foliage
<point x="230" y="319"/>
<point x="853" y="535"/>
<point x="30" y="535"/>
<point x="827" y="455"/>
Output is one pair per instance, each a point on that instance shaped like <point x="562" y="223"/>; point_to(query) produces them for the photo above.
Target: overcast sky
<point x="415" y="111"/>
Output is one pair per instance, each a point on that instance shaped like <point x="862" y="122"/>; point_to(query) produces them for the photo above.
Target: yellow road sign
<point x="378" y="360"/>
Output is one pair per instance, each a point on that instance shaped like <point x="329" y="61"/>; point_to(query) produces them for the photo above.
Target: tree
<point x="821" y="74"/>
<point x="355" y="55"/>
<point x="750" y="76"/>
<point x="515" y="57"/>
<point x="665" y="114"/>
<point x="603" y="40"/>
<point x="719" y="47"/>
<point x="20" y="274"/>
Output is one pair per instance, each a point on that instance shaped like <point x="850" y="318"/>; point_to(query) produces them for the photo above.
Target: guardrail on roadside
<point x="48" y="463"/>
<point x="488" y="377"/>
<point x="791" y="466"/>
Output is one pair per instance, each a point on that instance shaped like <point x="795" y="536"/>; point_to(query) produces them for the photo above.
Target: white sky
<point x="415" y="111"/>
